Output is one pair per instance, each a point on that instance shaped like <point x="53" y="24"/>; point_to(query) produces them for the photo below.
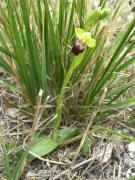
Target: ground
<point x="108" y="156"/>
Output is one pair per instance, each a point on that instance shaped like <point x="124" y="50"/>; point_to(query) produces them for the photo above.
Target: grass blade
<point x="20" y="165"/>
<point x="120" y="105"/>
<point x="6" y="161"/>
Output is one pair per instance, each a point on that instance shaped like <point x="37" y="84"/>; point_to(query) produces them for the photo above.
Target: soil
<point x="108" y="156"/>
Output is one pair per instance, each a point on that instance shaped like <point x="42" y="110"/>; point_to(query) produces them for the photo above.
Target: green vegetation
<point x="36" y="39"/>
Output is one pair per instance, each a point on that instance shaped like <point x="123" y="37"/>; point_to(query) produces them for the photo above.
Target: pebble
<point x="129" y="162"/>
<point x="132" y="155"/>
<point x="131" y="147"/>
<point x="131" y="173"/>
<point x="12" y="112"/>
<point x="30" y="174"/>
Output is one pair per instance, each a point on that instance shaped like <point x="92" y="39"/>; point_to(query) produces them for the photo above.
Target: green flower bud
<point x="97" y="15"/>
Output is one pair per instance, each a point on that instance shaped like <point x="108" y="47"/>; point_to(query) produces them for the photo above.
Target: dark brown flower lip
<point x="78" y="47"/>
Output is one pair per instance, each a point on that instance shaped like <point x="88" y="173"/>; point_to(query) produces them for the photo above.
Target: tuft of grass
<point x="12" y="174"/>
<point x="36" y="39"/>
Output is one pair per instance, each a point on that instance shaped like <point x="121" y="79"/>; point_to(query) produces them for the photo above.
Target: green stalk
<point x="76" y="61"/>
<point x="124" y="136"/>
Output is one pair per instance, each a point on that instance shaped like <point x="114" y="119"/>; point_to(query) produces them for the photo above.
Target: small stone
<point x="125" y="131"/>
<point x="12" y="112"/>
<point x="30" y="174"/>
<point x="131" y="147"/>
<point x="129" y="162"/>
<point x="130" y="173"/>
<point x="130" y="17"/>
<point x="131" y="155"/>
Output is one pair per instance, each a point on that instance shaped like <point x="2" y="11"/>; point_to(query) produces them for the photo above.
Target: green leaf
<point x="20" y="165"/>
<point x="119" y="89"/>
<point x="6" y="161"/>
<point x="120" y="105"/>
<point x="43" y="147"/>
<point x="85" y="147"/>
<point x="127" y="63"/>
<point x="5" y="66"/>
<point x="7" y="52"/>
<point x="67" y="133"/>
